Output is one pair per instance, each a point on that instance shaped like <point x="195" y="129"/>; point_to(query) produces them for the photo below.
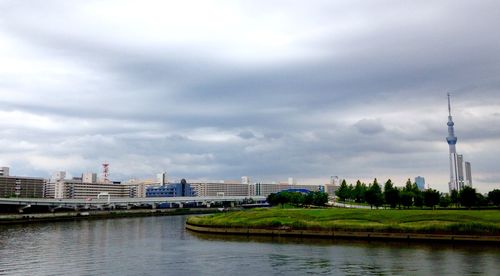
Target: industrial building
<point x="171" y="190"/>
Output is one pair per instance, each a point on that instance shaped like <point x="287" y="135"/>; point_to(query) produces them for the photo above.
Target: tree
<point x="408" y="187"/>
<point x="373" y="195"/>
<point x="431" y="198"/>
<point x="481" y="200"/>
<point x="359" y="192"/>
<point x="343" y="191"/>
<point x="283" y="198"/>
<point x="320" y="198"/>
<point x="414" y="188"/>
<point x="467" y="197"/>
<point x="296" y="198"/>
<point x="494" y="197"/>
<point x="370" y="197"/>
<point x="454" y="197"/>
<point x="444" y="200"/>
<point x="350" y="191"/>
<point x="308" y="199"/>
<point x="418" y="198"/>
<point x="406" y="198"/>
<point x="411" y="189"/>
<point x="392" y="197"/>
<point x="272" y="199"/>
<point x="391" y="194"/>
<point x="388" y="185"/>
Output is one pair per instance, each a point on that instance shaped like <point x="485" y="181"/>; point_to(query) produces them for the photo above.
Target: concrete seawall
<point x="329" y="234"/>
<point x="65" y="216"/>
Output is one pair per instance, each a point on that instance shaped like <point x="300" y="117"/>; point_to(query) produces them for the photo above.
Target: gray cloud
<point x="246" y="134"/>
<point x="269" y="90"/>
<point x="369" y="126"/>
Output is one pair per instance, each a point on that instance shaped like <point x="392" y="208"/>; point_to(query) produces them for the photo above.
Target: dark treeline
<point x="298" y="199"/>
<point x="410" y="195"/>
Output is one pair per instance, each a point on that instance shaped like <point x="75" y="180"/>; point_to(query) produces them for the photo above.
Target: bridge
<point x="112" y="203"/>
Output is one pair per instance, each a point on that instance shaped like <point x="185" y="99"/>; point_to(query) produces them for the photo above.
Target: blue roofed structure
<point x="171" y="190"/>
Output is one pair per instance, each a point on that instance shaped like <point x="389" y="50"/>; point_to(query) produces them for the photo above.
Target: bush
<point x="494" y="197"/>
<point x="297" y="198"/>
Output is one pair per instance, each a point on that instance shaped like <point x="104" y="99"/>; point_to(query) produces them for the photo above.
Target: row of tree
<point x="298" y="199"/>
<point x="410" y="195"/>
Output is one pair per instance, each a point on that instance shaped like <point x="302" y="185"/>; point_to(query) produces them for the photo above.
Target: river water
<point x="161" y="246"/>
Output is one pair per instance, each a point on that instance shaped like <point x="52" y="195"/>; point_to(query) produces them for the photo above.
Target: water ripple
<point x="160" y="245"/>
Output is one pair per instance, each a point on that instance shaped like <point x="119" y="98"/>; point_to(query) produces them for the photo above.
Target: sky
<point x="266" y="89"/>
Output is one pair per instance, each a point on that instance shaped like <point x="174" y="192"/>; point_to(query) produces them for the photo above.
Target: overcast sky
<point x="266" y="89"/>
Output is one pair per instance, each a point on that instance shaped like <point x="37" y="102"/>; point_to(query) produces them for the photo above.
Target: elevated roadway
<point x="107" y="202"/>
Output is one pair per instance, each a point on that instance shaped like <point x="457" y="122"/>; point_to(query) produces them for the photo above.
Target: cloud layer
<point x="221" y="89"/>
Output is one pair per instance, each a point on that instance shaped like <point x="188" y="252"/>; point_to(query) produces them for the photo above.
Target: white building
<point x="468" y="174"/>
<point x="141" y="186"/>
<point x="89" y="177"/>
<point x="221" y="189"/>
<point x="4" y="171"/>
<point x="245" y="180"/>
<point x="84" y="187"/>
<point x="76" y="189"/>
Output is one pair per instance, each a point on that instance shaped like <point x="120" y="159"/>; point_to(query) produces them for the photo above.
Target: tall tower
<point x="452" y="141"/>
<point x="105" y="172"/>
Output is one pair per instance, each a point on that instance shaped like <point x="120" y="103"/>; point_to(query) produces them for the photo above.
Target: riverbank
<point x="446" y="225"/>
<point x="64" y="216"/>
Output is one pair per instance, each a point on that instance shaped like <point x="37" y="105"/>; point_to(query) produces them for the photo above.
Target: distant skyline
<point x="270" y="90"/>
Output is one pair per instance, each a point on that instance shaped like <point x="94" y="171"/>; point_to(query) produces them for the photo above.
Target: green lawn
<point x="422" y="221"/>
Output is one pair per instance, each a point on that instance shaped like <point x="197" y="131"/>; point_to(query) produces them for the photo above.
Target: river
<point x="161" y="246"/>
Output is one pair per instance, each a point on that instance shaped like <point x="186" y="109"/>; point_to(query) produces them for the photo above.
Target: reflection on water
<point x="161" y="245"/>
<point x="395" y="244"/>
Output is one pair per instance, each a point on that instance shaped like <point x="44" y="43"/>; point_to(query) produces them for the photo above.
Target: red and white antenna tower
<point x="105" y="171"/>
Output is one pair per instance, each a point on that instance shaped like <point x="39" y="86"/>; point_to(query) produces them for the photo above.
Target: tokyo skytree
<point x="452" y="141"/>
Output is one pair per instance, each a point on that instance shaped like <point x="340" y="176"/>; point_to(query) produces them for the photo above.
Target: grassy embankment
<point x="407" y="221"/>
